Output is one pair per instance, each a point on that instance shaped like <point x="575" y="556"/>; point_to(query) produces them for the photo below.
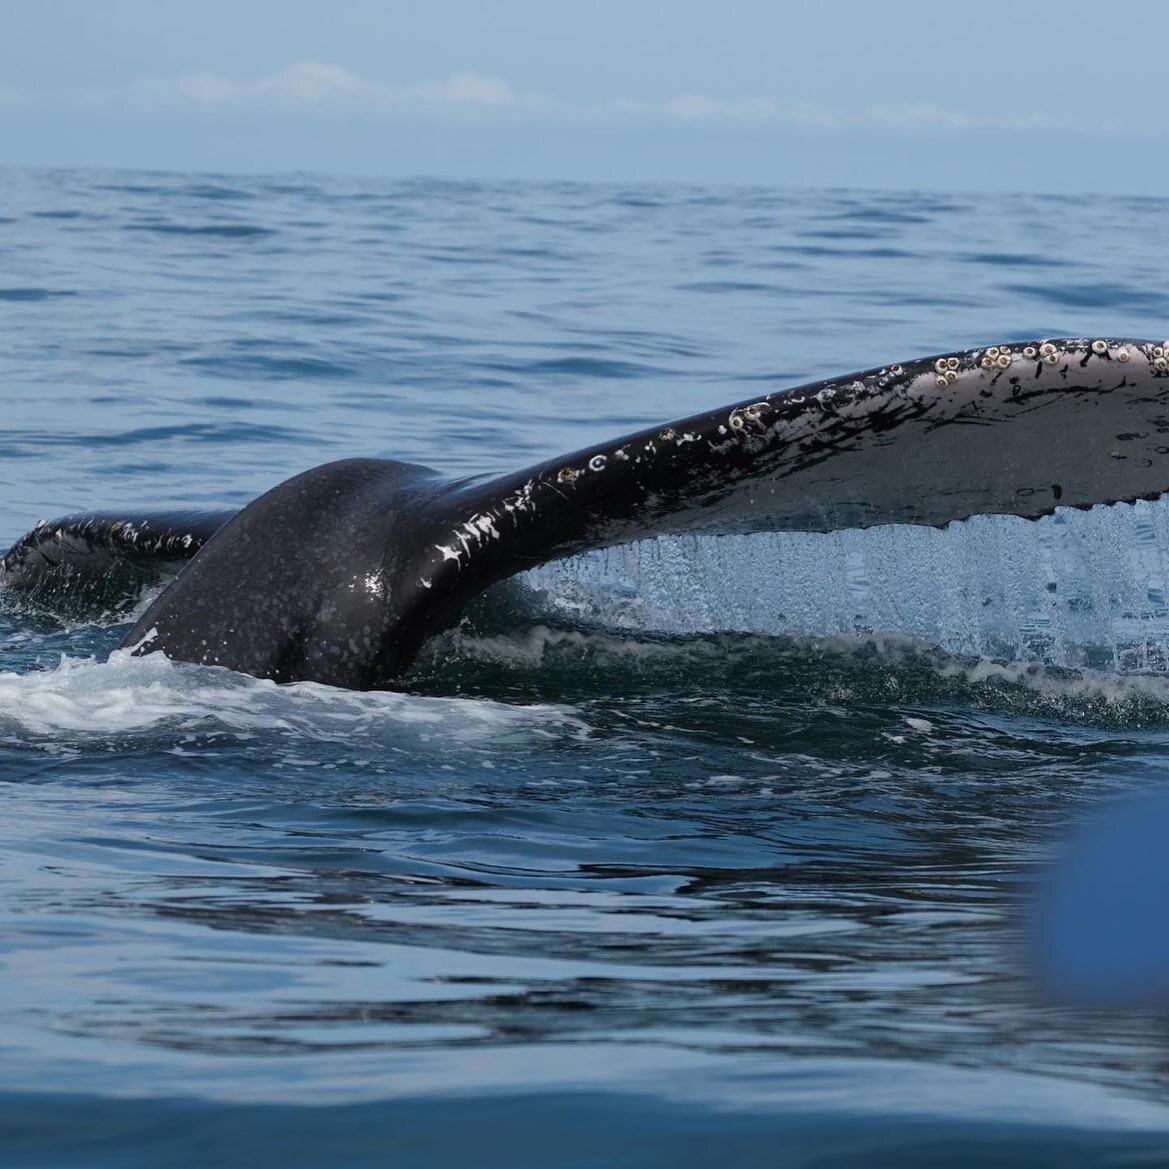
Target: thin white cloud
<point x="804" y="115"/>
<point x="319" y="85"/>
<point x="12" y="98"/>
<point x="323" y="87"/>
<point x="468" y="87"/>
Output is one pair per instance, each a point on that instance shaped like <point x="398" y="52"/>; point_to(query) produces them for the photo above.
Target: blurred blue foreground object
<point x="1100" y="922"/>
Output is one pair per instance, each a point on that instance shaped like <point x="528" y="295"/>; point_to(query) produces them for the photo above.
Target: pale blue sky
<point x="1029" y="95"/>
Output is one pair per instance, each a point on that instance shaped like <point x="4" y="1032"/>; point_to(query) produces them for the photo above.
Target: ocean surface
<point x="721" y="852"/>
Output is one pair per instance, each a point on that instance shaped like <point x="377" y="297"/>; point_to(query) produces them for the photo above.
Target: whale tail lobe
<point x="96" y="560"/>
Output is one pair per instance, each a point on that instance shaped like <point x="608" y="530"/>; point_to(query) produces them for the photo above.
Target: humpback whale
<point x="340" y="574"/>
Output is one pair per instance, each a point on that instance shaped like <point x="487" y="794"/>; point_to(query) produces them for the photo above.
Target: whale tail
<point x="96" y="560"/>
<point x="1017" y="430"/>
<point x="341" y="573"/>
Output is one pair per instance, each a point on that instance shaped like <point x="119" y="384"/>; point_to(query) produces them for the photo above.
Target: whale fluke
<point x="90" y="558"/>
<point x="340" y="574"/>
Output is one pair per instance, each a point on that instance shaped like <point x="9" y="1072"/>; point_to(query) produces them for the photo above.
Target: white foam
<point x="1087" y="686"/>
<point x="841" y="668"/>
<point x="83" y="696"/>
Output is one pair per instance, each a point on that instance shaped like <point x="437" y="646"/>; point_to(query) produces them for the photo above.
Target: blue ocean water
<point x="722" y="854"/>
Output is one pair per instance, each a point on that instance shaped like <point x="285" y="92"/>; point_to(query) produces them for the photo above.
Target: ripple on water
<point x="32" y="294"/>
<point x="240" y="231"/>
